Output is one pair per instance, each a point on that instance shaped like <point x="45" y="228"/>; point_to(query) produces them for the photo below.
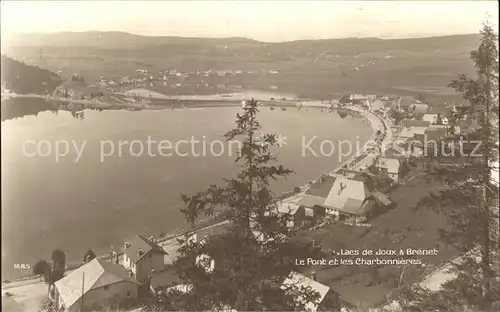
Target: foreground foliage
<point x="243" y="268"/>
<point x="470" y="199"/>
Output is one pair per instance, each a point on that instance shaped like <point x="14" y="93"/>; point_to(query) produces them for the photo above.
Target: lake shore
<point x="373" y="120"/>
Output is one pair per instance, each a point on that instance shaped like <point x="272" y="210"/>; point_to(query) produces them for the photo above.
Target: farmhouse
<point x="351" y="198"/>
<point x="96" y="283"/>
<point x="141" y="256"/>
<point x="389" y="166"/>
<point x="296" y="213"/>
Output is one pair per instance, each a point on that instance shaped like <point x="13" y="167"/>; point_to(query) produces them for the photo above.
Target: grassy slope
<point x="321" y="68"/>
<point x="400" y="228"/>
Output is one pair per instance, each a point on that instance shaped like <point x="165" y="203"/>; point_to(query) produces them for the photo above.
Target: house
<point x="358" y="99"/>
<point x="350" y="198"/>
<point x="433" y="119"/>
<point x="377" y="105"/>
<point x="297" y="214"/>
<point x="397" y="152"/>
<point x="357" y="175"/>
<point x="429" y="140"/>
<point x="295" y="282"/>
<point x="310" y="201"/>
<point x="418" y="109"/>
<point x="76" y="90"/>
<point x="141" y="256"/>
<point x="431" y="135"/>
<point x="404" y="102"/>
<point x="383" y="199"/>
<point x="410" y="132"/>
<point x="95" y="283"/>
<point x="414" y="123"/>
<point x="389" y="166"/>
<point x="409" y="127"/>
<point x="366" y="162"/>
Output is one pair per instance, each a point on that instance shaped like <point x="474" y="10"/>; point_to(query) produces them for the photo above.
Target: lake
<point x="99" y="192"/>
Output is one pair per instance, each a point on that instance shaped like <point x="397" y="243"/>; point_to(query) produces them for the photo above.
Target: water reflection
<point x="18" y="108"/>
<point x="15" y="108"/>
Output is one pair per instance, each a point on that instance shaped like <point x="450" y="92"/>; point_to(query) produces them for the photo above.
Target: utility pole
<point x="83" y="290"/>
<point x="41" y="57"/>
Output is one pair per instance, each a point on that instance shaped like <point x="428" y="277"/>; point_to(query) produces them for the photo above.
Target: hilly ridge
<point x="22" y="78"/>
<point x="312" y="68"/>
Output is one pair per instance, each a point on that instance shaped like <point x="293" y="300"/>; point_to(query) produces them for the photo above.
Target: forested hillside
<point x="22" y="78"/>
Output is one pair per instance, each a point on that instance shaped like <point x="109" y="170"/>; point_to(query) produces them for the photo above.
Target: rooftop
<point x="94" y="274"/>
<point x="141" y="243"/>
<point x="347" y="194"/>
<point x="311" y="200"/>
<point x="321" y="188"/>
<point x="414" y="123"/>
<point x="297" y="281"/>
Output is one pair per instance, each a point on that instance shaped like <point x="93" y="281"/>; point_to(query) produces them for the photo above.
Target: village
<point x="367" y="201"/>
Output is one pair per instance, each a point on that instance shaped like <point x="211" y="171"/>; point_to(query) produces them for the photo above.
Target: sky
<point x="272" y="21"/>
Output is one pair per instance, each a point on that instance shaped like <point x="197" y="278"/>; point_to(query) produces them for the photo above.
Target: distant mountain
<point x="114" y="39"/>
<point x="22" y="78"/>
<point x="123" y="40"/>
<point x="310" y="68"/>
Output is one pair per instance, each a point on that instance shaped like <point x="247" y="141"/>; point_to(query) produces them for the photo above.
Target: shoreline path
<point x="32" y="291"/>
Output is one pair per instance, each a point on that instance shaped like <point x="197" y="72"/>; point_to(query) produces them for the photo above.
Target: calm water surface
<point x="49" y="204"/>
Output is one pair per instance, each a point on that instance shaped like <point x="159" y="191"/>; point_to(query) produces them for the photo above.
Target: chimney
<point x="127" y="245"/>
<point x="140" y="252"/>
<point x="313" y="276"/>
<point x="342" y="187"/>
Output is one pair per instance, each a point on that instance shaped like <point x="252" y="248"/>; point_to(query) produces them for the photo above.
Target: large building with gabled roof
<point x="93" y="285"/>
<point x="143" y="255"/>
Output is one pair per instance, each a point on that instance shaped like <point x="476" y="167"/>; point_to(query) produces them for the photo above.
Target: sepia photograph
<point x="247" y="155"/>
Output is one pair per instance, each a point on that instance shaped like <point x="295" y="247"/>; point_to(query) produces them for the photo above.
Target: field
<point x="400" y="228"/>
<point x="319" y="69"/>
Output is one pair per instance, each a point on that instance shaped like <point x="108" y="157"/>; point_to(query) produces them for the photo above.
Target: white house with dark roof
<point x="141" y="256"/>
<point x="351" y="198"/>
<point x="97" y="282"/>
<point x="390" y="166"/>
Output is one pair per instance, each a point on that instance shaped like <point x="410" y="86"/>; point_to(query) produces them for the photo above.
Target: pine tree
<point x="470" y="196"/>
<point x="243" y="268"/>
